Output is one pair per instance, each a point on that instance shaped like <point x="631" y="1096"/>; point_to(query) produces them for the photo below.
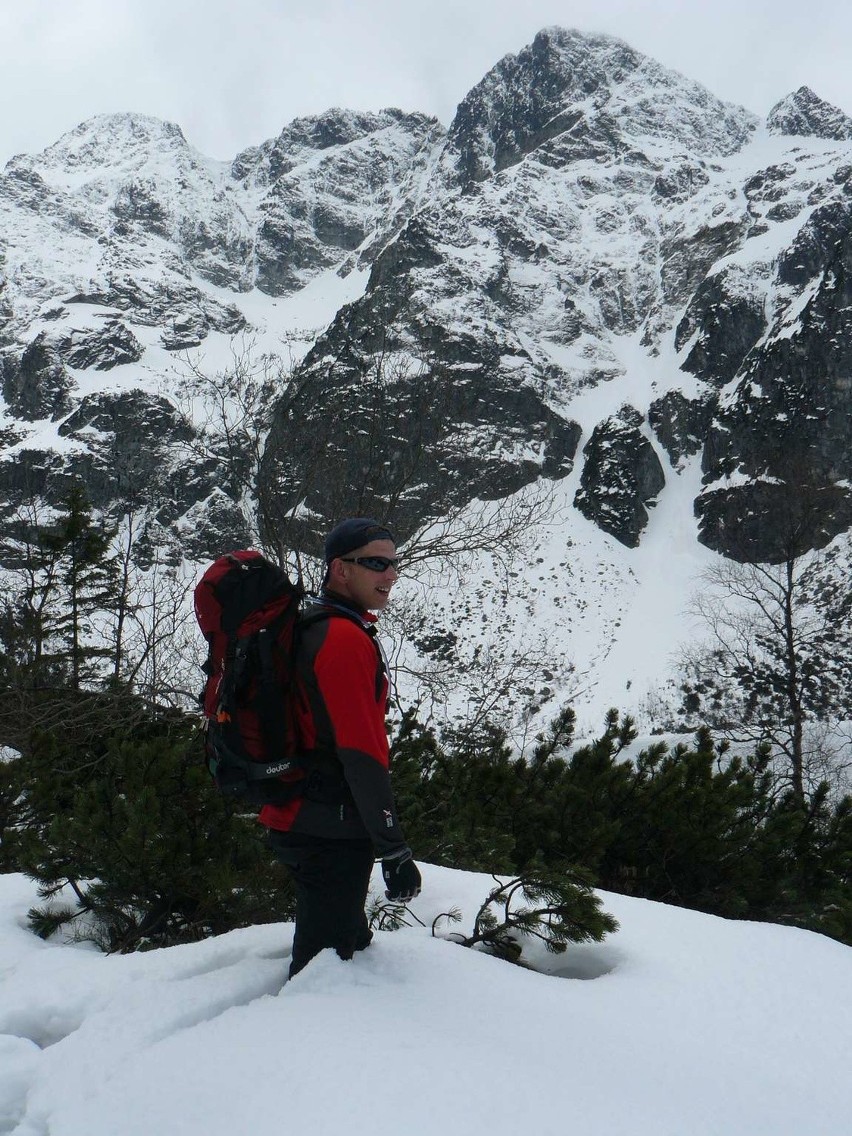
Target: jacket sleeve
<point x="347" y="674"/>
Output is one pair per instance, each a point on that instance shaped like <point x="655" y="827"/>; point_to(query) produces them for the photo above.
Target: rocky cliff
<point x="588" y="202"/>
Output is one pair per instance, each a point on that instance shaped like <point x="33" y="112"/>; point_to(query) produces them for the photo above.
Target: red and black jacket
<point x="341" y="707"/>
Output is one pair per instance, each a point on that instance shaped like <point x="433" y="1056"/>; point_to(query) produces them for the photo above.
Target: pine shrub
<point x="555" y="908"/>
<point x="689" y="824"/>
<point x="133" y="828"/>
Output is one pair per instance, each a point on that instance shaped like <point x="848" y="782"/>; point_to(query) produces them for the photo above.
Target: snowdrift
<point x="681" y="1024"/>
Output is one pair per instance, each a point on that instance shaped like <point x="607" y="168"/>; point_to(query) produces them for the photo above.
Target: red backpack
<point x="247" y="608"/>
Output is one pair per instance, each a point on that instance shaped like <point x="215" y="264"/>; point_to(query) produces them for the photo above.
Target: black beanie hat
<point x="354" y="533"/>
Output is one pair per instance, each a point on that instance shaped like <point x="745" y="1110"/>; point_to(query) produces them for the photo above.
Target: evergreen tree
<point x="455" y="794"/>
<point x="85" y="572"/>
<point x="691" y="825"/>
<point x="589" y="795"/>
<point x="151" y="852"/>
<point x="109" y="800"/>
<point x="66" y="577"/>
<point x="804" y="861"/>
<point x="690" y="836"/>
<point x="11" y="810"/>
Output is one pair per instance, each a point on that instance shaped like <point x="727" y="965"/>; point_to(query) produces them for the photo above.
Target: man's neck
<point x="350" y="605"/>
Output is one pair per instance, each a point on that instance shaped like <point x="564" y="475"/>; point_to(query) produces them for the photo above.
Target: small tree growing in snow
<point x="556" y="908"/>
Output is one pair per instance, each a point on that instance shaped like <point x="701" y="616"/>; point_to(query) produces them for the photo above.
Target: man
<point x="346" y="816"/>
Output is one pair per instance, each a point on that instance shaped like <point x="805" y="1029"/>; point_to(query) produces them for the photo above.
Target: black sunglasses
<point x="374" y="563"/>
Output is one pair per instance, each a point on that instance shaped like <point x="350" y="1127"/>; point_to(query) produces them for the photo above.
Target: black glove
<point x="402" y="877"/>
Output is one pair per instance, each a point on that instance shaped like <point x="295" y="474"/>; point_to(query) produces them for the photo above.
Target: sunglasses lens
<point x="374" y="563"/>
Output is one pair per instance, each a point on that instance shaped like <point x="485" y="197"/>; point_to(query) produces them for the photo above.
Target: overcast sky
<point x="231" y="74"/>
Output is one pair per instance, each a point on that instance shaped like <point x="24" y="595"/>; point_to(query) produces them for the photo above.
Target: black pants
<point x="332" y="878"/>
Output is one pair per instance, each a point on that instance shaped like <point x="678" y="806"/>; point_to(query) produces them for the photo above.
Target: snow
<point x="680" y="1023"/>
<point x="667" y="566"/>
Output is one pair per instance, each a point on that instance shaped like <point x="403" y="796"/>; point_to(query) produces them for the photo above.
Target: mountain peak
<point x="106" y="139"/>
<point x="336" y="128"/>
<point x="581" y="95"/>
<point x="805" y="113"/>
<point x="339" y="126"/>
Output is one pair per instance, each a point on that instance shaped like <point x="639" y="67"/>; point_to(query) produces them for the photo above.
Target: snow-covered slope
<point x="679" y="1023"/>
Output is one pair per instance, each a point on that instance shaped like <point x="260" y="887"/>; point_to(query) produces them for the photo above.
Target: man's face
<point x="368" y="588"/>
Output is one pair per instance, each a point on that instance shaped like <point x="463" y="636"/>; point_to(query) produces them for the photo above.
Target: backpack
<point x="248" y="608"/>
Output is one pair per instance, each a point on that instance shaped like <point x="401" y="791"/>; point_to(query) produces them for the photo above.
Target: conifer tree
<point x="456" y="794"/>
<point x="11" y="810"/>
<point x="151" y="853"/>
<point x="557" y="908"/>
<point x="84" y="571"/>
<point x="109" y="801"/>
<point x="66" y="577"/>
<point x="690" y="824"/>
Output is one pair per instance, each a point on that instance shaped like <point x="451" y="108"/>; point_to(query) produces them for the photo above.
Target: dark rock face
<point x="686" y="258"/>
<point x="138" y="201"/>
<point x="131" y="447"/>
<point x="185" y="330"/>
<point x="128" y="437"/>
<point x="727" y="318"/>
<point x="458" y="290"/>
<point x="567" y="99"/>
<point x="134" y="450"/>
<point x="211" y="526"/>
<point x="817" y="246"/>
<point x="163" y="304"/>
<point x="453" y="422"/>
<point x="32" y="475"/>
<point x="804" y="113"/>
<point x="571" y="97"/>
<point x="409" y="442"/>
<point x="681" y="181"/>
<point x="36" y="385"/>
<point x="516" y="109"/>
<point x="134" y="418"/>
<point x="681" y="423"/>
<point x="582" y="199"/>
<point x="774" y="194"/>
<point x="765" y="521"/>
<point x="621" y="476"/>
<point x="102" y="349"/>
<point x="789" y="420"/>
<point x="7" y="315"/>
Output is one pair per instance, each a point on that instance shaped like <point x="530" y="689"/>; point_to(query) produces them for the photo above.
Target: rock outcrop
<point x="805" y="114"/>
<point x="36" y="384"/>
<point x="621" y="478"/>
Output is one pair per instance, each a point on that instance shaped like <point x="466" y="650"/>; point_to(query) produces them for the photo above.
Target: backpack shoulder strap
<point x="318" y="612"/>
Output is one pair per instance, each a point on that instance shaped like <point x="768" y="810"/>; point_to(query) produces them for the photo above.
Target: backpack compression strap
<point x="270" y="698"/>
